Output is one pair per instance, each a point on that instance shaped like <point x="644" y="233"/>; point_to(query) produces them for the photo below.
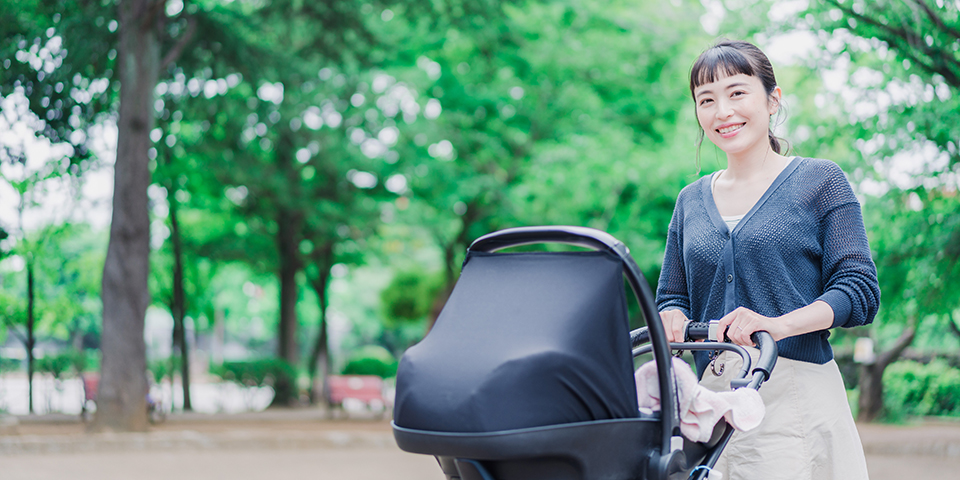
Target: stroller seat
<point x="527" y="373"/>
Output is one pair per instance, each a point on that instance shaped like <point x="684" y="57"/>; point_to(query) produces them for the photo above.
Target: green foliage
<point x="58" y="364"/>
<point x="13" y="309"/>
<point x="912" y="388"/>
<point x="164" y="368"/>
<point x="900" y="106"/>
<point x="87" y="361"/>
<point x="371" y="360"/>
<point x="71" y="47"/>
<point x="552" y="113"/>
<point x="257" y="373"/>
<point x="410" y="295"/>
<point x="9" y="364"/>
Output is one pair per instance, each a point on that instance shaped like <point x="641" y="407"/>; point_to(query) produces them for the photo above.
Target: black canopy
<point x="525" y="340"/>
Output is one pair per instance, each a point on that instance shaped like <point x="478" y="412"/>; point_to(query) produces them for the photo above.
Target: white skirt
<point x="807" y="433"/>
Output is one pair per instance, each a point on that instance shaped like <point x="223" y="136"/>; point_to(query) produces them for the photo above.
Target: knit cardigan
<point x="803" y="241"/>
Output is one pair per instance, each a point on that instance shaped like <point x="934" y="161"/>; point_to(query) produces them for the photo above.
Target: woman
<point x="771" y="243"/>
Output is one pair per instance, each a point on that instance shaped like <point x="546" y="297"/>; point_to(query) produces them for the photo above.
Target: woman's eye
<point x="705" y="101"/>
<point x="738" y="93"/>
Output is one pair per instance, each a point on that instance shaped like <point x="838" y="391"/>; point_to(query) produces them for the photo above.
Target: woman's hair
<point x="731" y="57"/>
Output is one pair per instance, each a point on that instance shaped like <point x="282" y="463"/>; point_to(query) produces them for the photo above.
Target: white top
<point x="732" y="220"/>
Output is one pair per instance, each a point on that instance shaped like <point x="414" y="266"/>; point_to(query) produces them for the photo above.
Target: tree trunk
<point x="953" y="325"/>
<point x="31" y="340"/>
<point x="288" y="224"/>
<point x="449" y="280"/>
<point x="450" y="272"/>
<point x="289" y="266"/>
<point x="319" y="362"/>
<point x="121" y="399"/>
<point x="871" y="378"/>
<point x="179" y="309"/>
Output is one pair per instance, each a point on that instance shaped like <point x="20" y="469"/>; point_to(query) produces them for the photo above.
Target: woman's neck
<point x="755" y="166"/>
<point x="738" y="188"/>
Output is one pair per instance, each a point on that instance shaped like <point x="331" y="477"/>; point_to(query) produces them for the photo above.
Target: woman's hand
<point x="674" y="323"/>
<point x="742" y="322"/>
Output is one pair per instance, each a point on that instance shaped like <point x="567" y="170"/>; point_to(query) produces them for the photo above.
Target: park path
<point x="305" y="444"/>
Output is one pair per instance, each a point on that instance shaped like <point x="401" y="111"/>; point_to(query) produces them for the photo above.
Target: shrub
<point x="257" y="373"/>
<point x="912" y="388"/>
<point x="371" y="360"/>
<point x="160" y="369"/>
<point x="410" y="296"/>
<point x="56" y="365"/>
<point x="9" y="364"/>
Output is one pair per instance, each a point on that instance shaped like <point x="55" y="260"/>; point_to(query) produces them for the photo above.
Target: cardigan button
<point x="729" y="278"/>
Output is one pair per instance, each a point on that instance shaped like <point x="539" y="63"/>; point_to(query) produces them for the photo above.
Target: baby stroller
<point x="528" y="372"/>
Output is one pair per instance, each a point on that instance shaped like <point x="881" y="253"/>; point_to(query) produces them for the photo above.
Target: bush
<point x="84" y="360"/>
<point x="257" y="373"/>
<point x="56" y="365"/>
<point x="9" y="364"/>
<point x="410" y="296"/>
<point x="912" y="388"/>
<point x="160" y="369"/>
<point x="371" y="360"/>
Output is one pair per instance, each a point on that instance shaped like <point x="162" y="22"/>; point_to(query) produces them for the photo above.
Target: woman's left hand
<point x="743" y="322"/>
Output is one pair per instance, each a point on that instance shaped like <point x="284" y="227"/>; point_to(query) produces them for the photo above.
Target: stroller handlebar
<point x="569" y="235"/>
<point x="709" y="331"/>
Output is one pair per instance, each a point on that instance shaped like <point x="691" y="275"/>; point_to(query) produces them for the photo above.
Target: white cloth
<point x="700" y="408"/>
<point x="808" y="432"/>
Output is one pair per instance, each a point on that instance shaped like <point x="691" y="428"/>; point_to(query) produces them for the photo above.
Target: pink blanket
<point x="700" y="408"/>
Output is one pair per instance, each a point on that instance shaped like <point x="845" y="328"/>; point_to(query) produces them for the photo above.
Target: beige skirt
<point x="807" y="433"/>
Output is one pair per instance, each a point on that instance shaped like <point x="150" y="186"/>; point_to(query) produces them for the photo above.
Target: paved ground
<point x="304" y="444"/>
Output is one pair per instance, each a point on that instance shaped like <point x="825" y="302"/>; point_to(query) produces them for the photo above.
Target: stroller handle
<point x="708" y="331"/>
<point x="565" y="234"/>
<point x="600" y="240"/>
<point x="764" y="341"/>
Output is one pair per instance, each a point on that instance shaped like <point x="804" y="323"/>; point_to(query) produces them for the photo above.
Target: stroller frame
<point x="463" y="455"/>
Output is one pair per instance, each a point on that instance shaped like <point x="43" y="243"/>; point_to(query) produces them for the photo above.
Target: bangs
<point x="719" y="62"/>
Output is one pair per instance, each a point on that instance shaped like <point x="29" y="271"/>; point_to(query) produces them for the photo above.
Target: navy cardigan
<point x="803" y="241"/>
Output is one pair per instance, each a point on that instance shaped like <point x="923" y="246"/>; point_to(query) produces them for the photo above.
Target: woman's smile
<point x="728" y="131"/>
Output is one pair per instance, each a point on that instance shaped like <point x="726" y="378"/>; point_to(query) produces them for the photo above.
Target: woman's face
<point x="734" y="112"/>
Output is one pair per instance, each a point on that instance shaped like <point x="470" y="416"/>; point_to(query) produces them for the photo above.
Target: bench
<point x="366" y="390"/>
<point x="91" y="382"/>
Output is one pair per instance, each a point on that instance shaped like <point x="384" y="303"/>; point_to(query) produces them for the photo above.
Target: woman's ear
<point x="775" y="96"/>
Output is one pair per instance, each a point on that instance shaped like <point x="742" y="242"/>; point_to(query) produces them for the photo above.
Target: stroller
<point x="528" y="372"/>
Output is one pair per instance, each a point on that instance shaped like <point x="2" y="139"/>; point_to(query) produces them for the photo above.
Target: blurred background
<point x="268" y="193"/>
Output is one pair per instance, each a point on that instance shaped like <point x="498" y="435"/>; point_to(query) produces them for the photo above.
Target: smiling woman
<point x="734" y="113"/>
<point x="774" y="244"/>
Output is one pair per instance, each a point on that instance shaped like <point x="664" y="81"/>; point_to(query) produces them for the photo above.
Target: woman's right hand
<point x="674" y="322"/>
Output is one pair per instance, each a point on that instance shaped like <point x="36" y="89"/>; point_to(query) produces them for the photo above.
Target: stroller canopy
<point x="525" y="340"/>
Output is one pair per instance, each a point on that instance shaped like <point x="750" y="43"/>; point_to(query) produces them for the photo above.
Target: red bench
<point x="91" y="381"/>
<point x="367" y="389"/>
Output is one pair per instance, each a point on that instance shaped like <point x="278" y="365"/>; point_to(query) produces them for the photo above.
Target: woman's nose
<point x="724" y="109"/>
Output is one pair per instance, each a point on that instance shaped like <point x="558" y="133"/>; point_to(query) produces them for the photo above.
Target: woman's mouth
<point x="729" y="130"/>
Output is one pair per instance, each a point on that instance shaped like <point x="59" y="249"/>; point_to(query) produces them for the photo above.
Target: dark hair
<point x="731" y="57"/>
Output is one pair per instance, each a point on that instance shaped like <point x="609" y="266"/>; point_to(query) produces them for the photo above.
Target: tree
<point x="540" y="118"/>
<point x="61" y="56"/>
<point x="31" y="177"/>
<point x="905" y="80"/>
<point x="291" y="150"/>
<point x="121" y="397"/>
